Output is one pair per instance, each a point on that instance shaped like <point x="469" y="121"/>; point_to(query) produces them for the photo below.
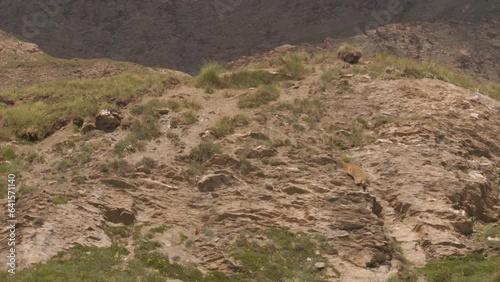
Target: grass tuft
<point x="227" y="125"/>
<point x="205" y="151"/>
<point x="209" y="76"/>
<point x="264" y="95"/>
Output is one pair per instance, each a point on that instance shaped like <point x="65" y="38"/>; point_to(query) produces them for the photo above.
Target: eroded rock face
<point x="211" y="182"/>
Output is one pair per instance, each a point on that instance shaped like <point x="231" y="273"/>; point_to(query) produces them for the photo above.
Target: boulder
<point x="87" y="127"/>
<point x="350" y="56"/>
<point x="107" y="120"/>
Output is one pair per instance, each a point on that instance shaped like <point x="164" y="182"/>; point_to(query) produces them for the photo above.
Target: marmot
<point x="355" y="171"/>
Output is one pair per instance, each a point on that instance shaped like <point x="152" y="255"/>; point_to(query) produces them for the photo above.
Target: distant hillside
<point x="181" y="34"/>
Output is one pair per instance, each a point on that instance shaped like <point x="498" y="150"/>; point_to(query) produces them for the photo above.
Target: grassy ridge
<point x="47" y="106"/>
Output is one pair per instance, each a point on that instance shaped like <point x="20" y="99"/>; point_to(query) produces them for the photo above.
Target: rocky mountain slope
<point x="200" y="177"/>
<point x="182" y="34"/>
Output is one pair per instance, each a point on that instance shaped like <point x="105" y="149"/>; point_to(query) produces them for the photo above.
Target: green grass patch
<point x="81" y="264"/>
<point x="185" y="118"/>
<point x="282" y="257"/>
<point x="146" y="128"/>
<point x="59" y="200"/>
<point x="7" y="153"/>
<point x="471" y="268"/>
<point x="249" y="78"/>
<point x="46" y="107"/>
<point x="179" y="105"/>
<point x="115" y="232"/>
<point x="209" y="76"/>
<point x="310" y="110"/>
<point x="263" y="96"/>
<point x="329" y="76"/>
<point x="227" y="125"/>
<point x="149" y="108"/>
<point x="484" y="231"/>
<point x="159" y="229"/>
<point x="204" y="152"/>
<point x="117" y="166"/>
<point x="292" y="65"/>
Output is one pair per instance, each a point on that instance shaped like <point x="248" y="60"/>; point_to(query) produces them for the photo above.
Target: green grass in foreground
<point x="471" y="268"/>
<point x="281" y="256"/>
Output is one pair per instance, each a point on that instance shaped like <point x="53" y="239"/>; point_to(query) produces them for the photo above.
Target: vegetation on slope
<point x="41" y="109"/>
<point x="283" y="256"/>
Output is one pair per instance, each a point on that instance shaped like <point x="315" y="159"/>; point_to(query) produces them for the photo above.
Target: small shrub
<point x="307" y="109"/>
<point x="483" y="231"/>
<point x="363" y="122"/>
<point x="264" y="95"/>
<point x="183" y="237"/>
<point x="245" y="166"/>
<point x="59" y="200"/>
<point x="186" y="118"/>
<point x="227" y="125"/>
<point x="150" y="108"/>
<point x="127" y="145"/>
<point x="293" y="65"/>
<point x="195" y="169"/>
<point x="148" y="163"/>
<point x="117" y="166"/>
<point x="345" y="158"/>
<point x="38" y="222"/>
<point x="7" y="153"/>
<point x="147" y="128"/>
<point x="328" y="77"/>
<point x="159" y="229"/>
<point x="209" y="76"/>
<point x="205" y="152"/>
<point x="117" y="231"/>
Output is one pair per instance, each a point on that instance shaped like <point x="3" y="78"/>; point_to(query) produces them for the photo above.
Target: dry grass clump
<point x="263" y="96"/>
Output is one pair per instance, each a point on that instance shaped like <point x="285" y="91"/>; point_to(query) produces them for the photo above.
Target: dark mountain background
<point x="181" y="34"/>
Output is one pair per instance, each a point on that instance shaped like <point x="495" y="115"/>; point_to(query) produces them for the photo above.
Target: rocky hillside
<point x="128" y="173"/>
<point x="181" y="34"/>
